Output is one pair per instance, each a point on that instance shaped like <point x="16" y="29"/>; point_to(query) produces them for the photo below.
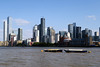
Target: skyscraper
<point x="9" y="27"/>
<point x="89" y="32"/>
<point x="74" y="30"/>
<point x="36" y="33"/>
<point x="5" y="31"/>
<point x="42" y="29"/>
<point x="57" y="38"/>
<point x="34" y="29"/>
<point x="78" y="32"/>
<point x="19" y="34"/>
<point x="70" y="30"/>
<point x="51" y="34"/>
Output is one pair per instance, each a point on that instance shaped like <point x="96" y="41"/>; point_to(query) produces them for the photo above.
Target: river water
<point x="33" y="57"/>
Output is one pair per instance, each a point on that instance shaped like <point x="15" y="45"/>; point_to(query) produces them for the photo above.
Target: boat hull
<point x="72" y="51"/>
<point x="52" y="50"/>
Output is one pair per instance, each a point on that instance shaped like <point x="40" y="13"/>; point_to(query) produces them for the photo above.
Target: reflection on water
<point x="33" y="57"/>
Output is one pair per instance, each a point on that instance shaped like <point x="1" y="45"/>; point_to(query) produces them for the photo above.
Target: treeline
<point x="37" y="44"/>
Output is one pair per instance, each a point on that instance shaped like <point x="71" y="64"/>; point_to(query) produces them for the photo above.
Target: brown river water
<point x="33" y="57"/>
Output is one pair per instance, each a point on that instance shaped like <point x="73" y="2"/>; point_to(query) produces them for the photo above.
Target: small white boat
<point x="52" y="50"/>
<point x="75" y="50"/>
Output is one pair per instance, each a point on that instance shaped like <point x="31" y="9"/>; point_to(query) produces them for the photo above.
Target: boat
<point x="76" y="51"/>
<point x="52" y="50"/>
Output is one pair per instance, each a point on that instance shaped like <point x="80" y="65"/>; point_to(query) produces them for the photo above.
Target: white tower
<point x="5" y="31"/>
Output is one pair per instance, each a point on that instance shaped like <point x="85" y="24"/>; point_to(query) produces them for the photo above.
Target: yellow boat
<point x="52" y="50"/>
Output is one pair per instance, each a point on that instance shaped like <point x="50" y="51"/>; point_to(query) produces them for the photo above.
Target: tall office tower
<point x="9" y="27"/>
<point x="5" y="31"/>
<point x="39" y="28"/>
<point x="86" y="31"/>
<point x="74" y="30"/>
<point x="89" y="33"/>
<point x="78" y="32"/>
<point x="34" y="29"/>
<point x="70" y="30"/>
<point x="20" y="34"/>
<point x="42" y="29"/>
<point x="57" y="38"/>
<point x="51" y="34"/>
<point x="83" y="34"/>
<point x="36" y="33"/>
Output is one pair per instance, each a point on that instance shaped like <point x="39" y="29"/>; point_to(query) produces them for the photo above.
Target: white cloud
<point x="21" y="21"/>
<point x="92" y="17"/>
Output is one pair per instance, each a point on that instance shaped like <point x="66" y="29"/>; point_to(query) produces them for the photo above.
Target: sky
<point x="57" y="13"/>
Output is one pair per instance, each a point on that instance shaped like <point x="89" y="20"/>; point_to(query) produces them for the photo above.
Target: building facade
<point x="5" y="31"/>
<point x="78" y="32"/>
<point x="9" y="27"/>
<point x="70" y="30"/>
<point x="20" y="32"/>
<point x="51" y="34"/>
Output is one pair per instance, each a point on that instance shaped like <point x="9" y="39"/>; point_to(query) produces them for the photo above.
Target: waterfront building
<point x="5" y="31"/>
<point x="57" y="36"/>
<point x="78" y="32"/>
<point x="89" y="33"/>
<point x="13" y="38"/>
<point x="20" y="32"/>
<point x="9" y="27"/>
<point x="34" y="29"/>
<point x="74" y="30"/>
<point x="28" y="42"/>
<point x="70" y="30"/>
<point x="86" y="32"/>
<point x="51" y="34"/>
<point x="42" y="29"/>
<point x="83" y="34"/>
<point x="36" y="34"/>
<point x="46" y="39"/>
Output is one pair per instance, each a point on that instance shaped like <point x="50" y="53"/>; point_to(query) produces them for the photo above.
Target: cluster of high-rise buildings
<point x="43" y="34"/>
<point x="10" y="35"/>
<point x="74" y="36"/>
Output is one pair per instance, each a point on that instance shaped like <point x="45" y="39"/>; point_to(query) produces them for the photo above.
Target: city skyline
<point x="57" y="14"/>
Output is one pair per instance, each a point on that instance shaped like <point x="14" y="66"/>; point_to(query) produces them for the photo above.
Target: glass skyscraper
<point x="74" y="30"/>
<point x="70" y="30"/>
<point x="78" y="32"/>
<point x="9" y="27"/>
<point x="42" y="29"/>
<point x="20" y="34"/>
